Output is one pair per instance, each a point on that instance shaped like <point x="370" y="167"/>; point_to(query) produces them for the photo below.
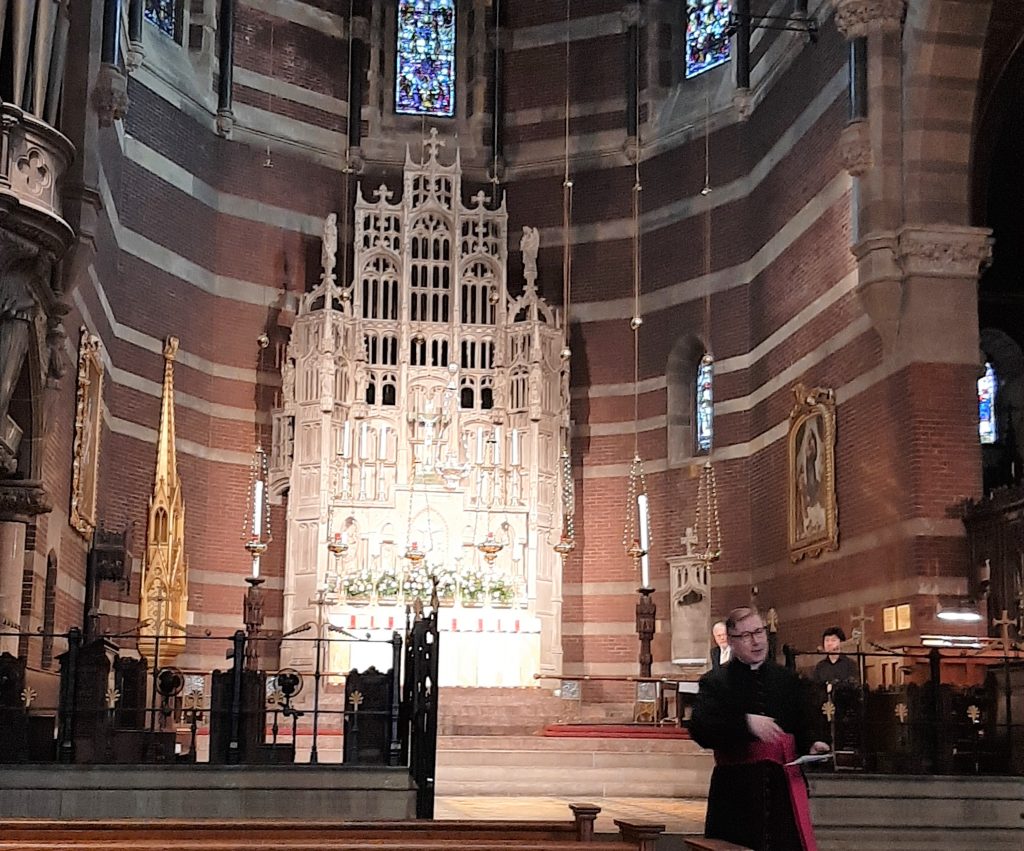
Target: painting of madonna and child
<point x="813" y="526"/>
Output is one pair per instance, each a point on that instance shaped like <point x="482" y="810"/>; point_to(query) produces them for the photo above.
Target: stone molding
<point x="23" y="500"/>
<point x="944" y="251"/>
<point x="855" y="18"/>
<point x="855" y="148"/>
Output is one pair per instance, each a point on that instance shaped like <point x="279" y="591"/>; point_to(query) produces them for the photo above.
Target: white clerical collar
<point x="758" y="665"/>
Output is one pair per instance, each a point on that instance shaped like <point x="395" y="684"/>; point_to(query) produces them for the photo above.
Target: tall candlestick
<point x="257" y="509"/>
<point x="641" y="510"/>
<point x="382" y="443"/>
<point x="346" y="440"/>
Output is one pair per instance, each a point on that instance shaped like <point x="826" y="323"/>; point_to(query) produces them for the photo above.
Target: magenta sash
<point x="781" y="752"/>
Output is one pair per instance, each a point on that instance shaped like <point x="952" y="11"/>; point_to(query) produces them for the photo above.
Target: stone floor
<point x="679" y="815"/>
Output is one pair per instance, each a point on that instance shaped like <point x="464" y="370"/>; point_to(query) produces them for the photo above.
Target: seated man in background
<point x="836" y="667"/>
<point x="750" y="713"/>
<point x="720" y="653"/>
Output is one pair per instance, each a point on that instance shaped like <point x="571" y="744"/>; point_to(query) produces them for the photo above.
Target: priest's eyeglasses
<point x="760" y="632"/>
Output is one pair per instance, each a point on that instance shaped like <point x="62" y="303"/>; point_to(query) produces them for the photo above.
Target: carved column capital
<point x="944" y="251"/>
<point x="110" y="96"/>
<point x="632" y="15"/>
<point x="855" y="18"/>
<point x="855" y="148"/>
<point x="22" y="500"/>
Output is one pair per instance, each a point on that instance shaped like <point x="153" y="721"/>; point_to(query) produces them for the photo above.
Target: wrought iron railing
<point x="111" y="707"/>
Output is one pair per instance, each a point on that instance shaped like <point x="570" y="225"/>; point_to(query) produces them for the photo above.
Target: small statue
<point x="529" y="244"/>
<point x="329" y="245"/>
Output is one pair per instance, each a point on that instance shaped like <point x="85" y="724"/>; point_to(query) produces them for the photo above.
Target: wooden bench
<point x="699" y="843"/>
<point x="244" y="835"/>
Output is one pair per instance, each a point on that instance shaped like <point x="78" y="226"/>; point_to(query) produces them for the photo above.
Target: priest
<point x="750" y="713"/>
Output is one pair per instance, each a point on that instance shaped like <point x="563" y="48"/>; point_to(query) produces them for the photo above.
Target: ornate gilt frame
<point x="815" y="409"/>
<point x="88" y="422"/>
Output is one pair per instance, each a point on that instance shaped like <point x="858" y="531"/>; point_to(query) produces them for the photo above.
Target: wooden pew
<point x="699" y="843"/>
<point x="239" y="835"/>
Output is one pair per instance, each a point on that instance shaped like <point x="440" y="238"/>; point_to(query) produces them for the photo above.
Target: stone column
<point x="871" y="150"/>
<point x="12" y="569"/>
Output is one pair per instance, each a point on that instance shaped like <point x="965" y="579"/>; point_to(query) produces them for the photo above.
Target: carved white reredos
<point x="855" y="18"/>
<point x="424" y="404"/>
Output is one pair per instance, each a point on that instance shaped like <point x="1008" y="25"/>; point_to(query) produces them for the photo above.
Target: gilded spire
<point x="164" y="595"/>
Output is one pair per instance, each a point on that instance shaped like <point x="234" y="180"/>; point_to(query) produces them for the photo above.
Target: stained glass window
<point x="707" y="42"/>
<point x="425" y="51"/>
<point x="987" y="405"/>
<point x="705" y="404"/>
<point x="164" y="15"/>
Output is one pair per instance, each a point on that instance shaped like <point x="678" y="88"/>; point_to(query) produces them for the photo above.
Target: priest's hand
<point x="820" y="747"/>
<point x="764" y="728"/>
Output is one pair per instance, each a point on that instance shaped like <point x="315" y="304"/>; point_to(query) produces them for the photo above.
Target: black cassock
<point x="749" y="803"/>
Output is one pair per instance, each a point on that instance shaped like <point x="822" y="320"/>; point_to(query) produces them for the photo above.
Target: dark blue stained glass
<point x="164" y="15"/>
<point x="987" y="389"/>
<point x="425" y="51"/>
<point x="707" y="43"/>
<point x="705" y="405"/>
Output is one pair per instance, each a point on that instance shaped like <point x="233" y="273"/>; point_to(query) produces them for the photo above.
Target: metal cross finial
<point x="860" y="620"/>
<point x="1004" y="624"/>
<point x="433" y="143"/>
<point x="382" y="193"/>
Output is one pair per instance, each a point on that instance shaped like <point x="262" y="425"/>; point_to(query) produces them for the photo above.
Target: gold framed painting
<point x="88" y="421"/>
<point x="813" y="516"/>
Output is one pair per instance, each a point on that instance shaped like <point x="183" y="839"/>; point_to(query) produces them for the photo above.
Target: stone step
<point x="567" y="767"/>
<point x="560" y="744"/>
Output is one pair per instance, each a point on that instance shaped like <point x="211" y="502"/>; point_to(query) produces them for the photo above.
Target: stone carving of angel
<point x="329" y="244"/>
<point x="529" y="244"/>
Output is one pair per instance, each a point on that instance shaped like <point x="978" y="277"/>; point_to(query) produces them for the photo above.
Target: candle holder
<point x="253" y="617"/>
<point x="645" y="622"/>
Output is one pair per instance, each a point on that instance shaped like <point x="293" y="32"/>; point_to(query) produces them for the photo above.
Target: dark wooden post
<point x="585" y="816"/>
<point x="238" y="659"/>
<point x="395" y="740"/>
<point x="226" y="35"/>
<point x="68" y="691"/>
<point x="742" y="44"/>
<point x="858" y="78"/>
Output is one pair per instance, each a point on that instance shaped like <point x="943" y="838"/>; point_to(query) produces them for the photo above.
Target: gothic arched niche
<point x="681" y="401"/>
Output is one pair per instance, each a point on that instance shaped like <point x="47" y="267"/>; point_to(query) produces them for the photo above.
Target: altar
<point x="479" y="647"/>
<point x="421" y="437"/>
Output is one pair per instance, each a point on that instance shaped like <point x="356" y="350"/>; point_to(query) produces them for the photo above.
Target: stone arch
<point x="943" y="45"/>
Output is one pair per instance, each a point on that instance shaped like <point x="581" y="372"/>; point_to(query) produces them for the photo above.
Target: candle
<point x="255" y="567"/>
<point x="497" y="445"/>
<point x="513" y="455"/>
<point x="479" y="459"/>
<point x="364" y="441"/>
<point x="382" y="443"/>
<point x="257" y="510"/>
<point x="346" y="440"/>
<point x="641" y="510"/>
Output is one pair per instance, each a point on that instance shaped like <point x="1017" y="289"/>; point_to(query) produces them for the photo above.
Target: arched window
<point x="689" y="434"/>
<point x="707" y="43"/>
<point x="425" y="58"/>
<point x="705" y="410"/>
<point x="987" y="388"/>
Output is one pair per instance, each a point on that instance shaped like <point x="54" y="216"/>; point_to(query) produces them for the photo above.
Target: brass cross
<point x="901" y="712"/>
<point x="356" y="699"/>
<point x="974" y="713"/>
<point x="828" y="709"/>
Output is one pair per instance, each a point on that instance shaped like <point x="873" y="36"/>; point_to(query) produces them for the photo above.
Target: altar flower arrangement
<point x="501" y="589"/>
<point x="417" y="584"/>
<point x="358" y="584"/>
<point x="447" y="581"/>
<point x="473" y="584"/>
<point x="388" y="585"/>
